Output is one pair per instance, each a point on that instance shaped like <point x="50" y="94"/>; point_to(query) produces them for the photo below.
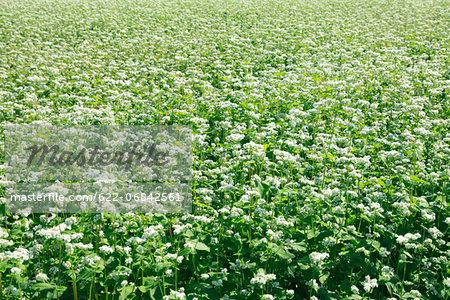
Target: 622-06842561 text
<point x="101" y="197"/>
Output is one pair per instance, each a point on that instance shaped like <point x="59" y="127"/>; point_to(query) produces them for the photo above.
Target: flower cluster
<point x="321" y="147"/>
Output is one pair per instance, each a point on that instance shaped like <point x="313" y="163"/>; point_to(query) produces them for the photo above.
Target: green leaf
<point x="303" y="266"/>
<point x="415" y="178"/>
<point x="323" y="278"/>
<point x="42" y="286"/>
<point x="3" y="266"/>
<point x="280" y="251"/>
<point x="375" y="244"/>
<point x="201" y="246"/>
<point x="126" y="291"/>
<point x="298" y="246"/>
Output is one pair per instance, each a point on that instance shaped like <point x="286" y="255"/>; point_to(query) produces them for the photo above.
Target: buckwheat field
<point x="321" y="146"/>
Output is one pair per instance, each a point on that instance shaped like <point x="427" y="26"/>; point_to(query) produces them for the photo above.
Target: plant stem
<point x="75" y="296"/>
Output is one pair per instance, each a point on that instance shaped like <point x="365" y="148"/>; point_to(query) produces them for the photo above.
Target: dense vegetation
<point x="321" y="134"/>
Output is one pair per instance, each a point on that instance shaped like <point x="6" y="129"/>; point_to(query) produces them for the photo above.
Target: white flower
<point x="329" y="241"/>
<point x="5" y="243"/>
<point x="3" y="233"/>
<point x="15" y="271"/>
<point x="261" y="278"/>
<point x="407" y="237"/>
<point x="217" y="283"/>
<point x="369" y="284"/>
<point x="106" y="249"/>
<point x="235" y="137"/>
<point x="387" y="272"/>
<point x="384" y="252"/>
<point x="428" y="216"/>
<point x="435" y="233"/>
<point x="317" y="257"/>
<point x="41" y="277"/>
<point x="176" y="294"/>
<point x="11" y="290"/>
<point x="447" y="281"/>
<point x="313" y="284"/>
<point x="21" y="254"/>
